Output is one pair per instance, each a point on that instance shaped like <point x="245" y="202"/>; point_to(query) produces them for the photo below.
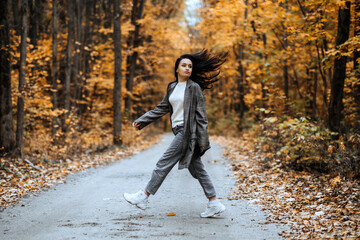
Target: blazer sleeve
<point x="201" y="120"/>
<point x="152" y="115"/>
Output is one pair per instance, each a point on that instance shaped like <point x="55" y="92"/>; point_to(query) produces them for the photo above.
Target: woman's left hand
<point x="136" y="125"/>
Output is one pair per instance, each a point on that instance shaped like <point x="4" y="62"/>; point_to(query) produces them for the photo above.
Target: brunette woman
<point x="185" y="101"/>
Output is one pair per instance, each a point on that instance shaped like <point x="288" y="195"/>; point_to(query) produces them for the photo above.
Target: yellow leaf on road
<point x="171" y="214"/>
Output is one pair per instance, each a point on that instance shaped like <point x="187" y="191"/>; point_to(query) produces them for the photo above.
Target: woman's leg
<point x="198" y="171"/>
<point x="165" y="164"/>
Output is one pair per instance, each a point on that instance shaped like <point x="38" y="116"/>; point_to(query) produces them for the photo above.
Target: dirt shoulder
<point x="314" y="206"/>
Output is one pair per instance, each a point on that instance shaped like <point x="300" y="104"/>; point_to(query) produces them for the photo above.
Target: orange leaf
<point x="171" y="214"/>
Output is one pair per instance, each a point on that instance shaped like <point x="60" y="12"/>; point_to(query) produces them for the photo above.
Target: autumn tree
<point x="78" y="75"/>
<point x="68" y="68"/>
<point x="36" y="11"/>
<point x="54" y="65"/>
<point x="117" y="74"/>
<point x="337" y="83"/>
<point x="356" y="60"/>
<point x="133" y="42"/>
<point x="15" y="15"/>
<point x="22" y="69"/>
<point x="6" y="118"/>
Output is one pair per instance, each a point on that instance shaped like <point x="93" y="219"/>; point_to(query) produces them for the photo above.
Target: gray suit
<point x="186" y="146"/>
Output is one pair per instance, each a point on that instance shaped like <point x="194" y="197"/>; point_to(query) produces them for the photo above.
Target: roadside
<point x="315" y="207"/>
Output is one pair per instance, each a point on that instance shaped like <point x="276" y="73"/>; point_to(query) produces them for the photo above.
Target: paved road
<point x="90" y="206"/>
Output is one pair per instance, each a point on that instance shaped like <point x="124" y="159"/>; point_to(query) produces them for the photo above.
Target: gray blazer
<point x="195" y="121"/>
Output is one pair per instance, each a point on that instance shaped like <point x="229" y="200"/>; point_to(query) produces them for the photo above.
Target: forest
<point x="75" y="74"/>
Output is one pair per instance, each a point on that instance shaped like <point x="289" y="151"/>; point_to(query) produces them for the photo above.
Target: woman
<point x="185" y="101"/>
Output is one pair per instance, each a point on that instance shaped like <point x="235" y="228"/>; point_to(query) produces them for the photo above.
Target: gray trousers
<point x="169" y="160"/>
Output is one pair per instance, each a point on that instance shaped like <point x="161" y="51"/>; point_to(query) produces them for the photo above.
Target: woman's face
<point x="185" y="68"/>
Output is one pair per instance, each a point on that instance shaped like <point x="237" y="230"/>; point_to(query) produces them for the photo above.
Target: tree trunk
<point x="33" y="23"/>
<point x="69" y="54"/>
<point x="108" y="13"/>
<point x="286" y="85"/>
<point x="86" y="53"/>
<point x="323" y="77"/>
<point x="263" y="89"/>
<point x="339" y="74"/>
<point x="98" y="17"/>
<point x="87" y="38"/>
<point x="118" y="75"/>
<point x="6" y="118"/>
<point x="240" y="86"/>
<point x="357" y="55"/>
<point x="241" y="71"/>
<point x="77" y="58"/>
<point x="16" y="20"/>
<point x="314" y="103"/>
<point x="54" y="72"/>
<point x="138" y="9"/>
<point x="20" y="103"/>
<point x="285" y="68"/>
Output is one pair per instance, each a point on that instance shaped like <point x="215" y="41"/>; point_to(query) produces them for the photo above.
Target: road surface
<point x="90" y="205"/>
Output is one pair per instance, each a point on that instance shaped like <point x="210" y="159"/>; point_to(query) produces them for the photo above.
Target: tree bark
<point x="314" y="103"/>
<point x="20" y="102"/>
<point x="357" y="55"/>
<point x="337" y="84"/>
<point x="118" y="75"/>
<point x="135" y="41"/>
<point x="87" y="38"/>
<point x="34" y="16"/>
<point x="77" y="58"/>
<point x="54" y="72"/>
<point x="285" y="68"/>
<point x="108" y="14"/>
<point x="68" y="69"/>
<point x="323" y="77"/>
<point x="15" y="11"/>
<point x="241" y="71"/>
<point x="6" y="118"/>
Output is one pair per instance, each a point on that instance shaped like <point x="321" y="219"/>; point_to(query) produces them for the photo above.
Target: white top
<point x="176" y="100"/>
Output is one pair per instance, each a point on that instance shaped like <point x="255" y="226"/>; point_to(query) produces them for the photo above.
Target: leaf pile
<point x="20" y="177"/>
<point x="315" y="207"/>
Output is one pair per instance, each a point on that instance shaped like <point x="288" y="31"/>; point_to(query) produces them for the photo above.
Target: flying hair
<point x="206" y="67"/>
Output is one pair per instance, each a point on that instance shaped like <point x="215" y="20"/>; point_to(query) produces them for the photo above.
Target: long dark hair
<point x="205" y="67"/>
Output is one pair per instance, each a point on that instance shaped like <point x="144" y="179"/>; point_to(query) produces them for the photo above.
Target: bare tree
<point x="337" y="84"/>
<point x="118" y="77"/>
<point x="134" y="42"/>
<point x="55" y="66"/>
<point x="77" y="57"/>
<point x="15" y="15"/>
<point x="6" y="119"/>
<point x="20" y="103"/>
<point x="69" y="54"/>
<point x="357" y="53"/>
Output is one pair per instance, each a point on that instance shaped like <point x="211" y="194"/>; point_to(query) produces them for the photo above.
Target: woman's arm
<point x="152" y="115"/>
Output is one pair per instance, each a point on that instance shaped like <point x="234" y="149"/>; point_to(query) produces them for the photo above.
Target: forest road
<point x="91" y="206"/>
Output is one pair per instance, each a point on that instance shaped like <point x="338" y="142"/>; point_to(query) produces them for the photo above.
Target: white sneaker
<point x="213" y="208"/>
<point x="139" y="199"/>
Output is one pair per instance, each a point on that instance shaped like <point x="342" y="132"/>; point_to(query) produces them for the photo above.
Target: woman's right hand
<point x="136" y="125"/>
